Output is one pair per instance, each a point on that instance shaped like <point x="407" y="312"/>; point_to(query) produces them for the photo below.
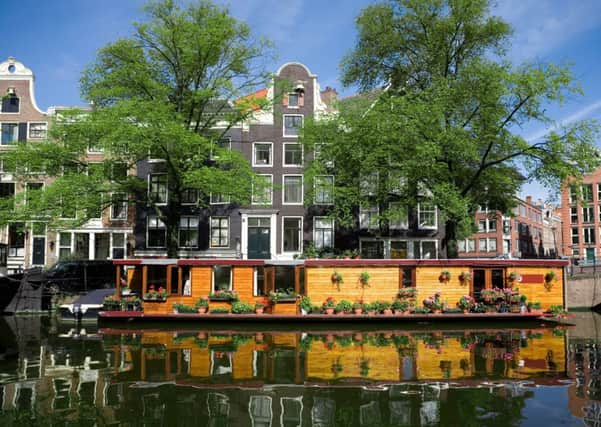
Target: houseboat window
<point x="186" y="281"/>
<point x="497" y="278"/>
<point x="407" y="278"/>
<point x="284" y="278"/>
<point x="479" y="282"/>
<point x="175" y="290"/>
<point x="301" y="280"/>
<point x="222" y="277"/>
<point x="259" y="282"/>
<point x="157" y="276"/>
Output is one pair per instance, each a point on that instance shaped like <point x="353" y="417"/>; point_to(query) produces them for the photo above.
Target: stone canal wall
<point x="584" y="291"/>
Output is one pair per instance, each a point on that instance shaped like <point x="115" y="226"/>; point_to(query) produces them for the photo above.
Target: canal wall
<point x="583" y="291"/>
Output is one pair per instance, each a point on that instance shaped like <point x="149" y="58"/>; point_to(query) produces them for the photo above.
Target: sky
<point x="56" y="39"/>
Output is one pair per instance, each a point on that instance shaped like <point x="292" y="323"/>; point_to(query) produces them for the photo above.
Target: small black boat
<point x="85" y="307"/>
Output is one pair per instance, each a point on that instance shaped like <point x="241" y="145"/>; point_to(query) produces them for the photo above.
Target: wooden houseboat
<point x="164" y="287"/>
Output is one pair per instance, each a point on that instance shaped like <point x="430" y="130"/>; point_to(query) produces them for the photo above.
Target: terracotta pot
<point x="358" y="337"/>
<point x="436" y="311"/>
<point x="340" y="313"/>
<point x="387" y="312"/>
<point x="466" y="311"/>
<point x="329" y="311"/>
<point x="371" y="312"/>
<point x="358" y="310"/>
<point x="202" y="310"/>
<point x="259" y="310"/>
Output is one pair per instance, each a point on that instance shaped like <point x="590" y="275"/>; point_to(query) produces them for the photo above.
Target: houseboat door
<point x="259" y="236"/>
<point x="479" y="282"/>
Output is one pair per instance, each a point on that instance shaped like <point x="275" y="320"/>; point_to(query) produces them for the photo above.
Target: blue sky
<point x="56" y="39"/>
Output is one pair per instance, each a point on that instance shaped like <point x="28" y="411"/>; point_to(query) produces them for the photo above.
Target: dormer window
<point x="10" y="102"/>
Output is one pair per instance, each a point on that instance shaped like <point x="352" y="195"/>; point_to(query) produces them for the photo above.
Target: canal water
<point x="54" y="373"/>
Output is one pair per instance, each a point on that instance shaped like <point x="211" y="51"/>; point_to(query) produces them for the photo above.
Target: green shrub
<point x="218" y="310"/>
<point x="344" y="306"/>
<point x="241" y="307"/>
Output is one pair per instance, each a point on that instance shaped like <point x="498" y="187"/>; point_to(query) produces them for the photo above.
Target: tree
<point x="439" y="113"/>
<point x="168" y="92"/>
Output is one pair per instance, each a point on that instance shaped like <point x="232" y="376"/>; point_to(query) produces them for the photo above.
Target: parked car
<point x="76" y="276"/>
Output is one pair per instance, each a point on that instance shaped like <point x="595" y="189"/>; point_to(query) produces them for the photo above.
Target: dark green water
<point x="495" y="375"/>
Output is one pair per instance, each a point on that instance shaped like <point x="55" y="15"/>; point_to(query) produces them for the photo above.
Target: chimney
<point x="328" y="96"/>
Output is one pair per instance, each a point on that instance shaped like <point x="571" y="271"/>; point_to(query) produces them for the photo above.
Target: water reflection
<point x="319" y="378"/>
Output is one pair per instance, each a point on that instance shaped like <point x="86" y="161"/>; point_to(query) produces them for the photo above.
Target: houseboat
<point x="372" y="289"/>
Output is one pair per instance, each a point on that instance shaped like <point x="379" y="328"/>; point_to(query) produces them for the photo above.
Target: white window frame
<point x="588" y="234"/>
<point x="29" y="124"/>
<point x="297" y="94"/>
<point x="315" y="201"/>
<point x="59" y="246"/>
<point x="365" y="215"/>
<point x="421" y="249"/>
<point x="213" y="202"/>
<point x="419" y="213"/>
<point x="179" y="231"/>
<point x="259" y="165"/>
<point x="9" y="123"/>
<point x="284" y="124"/>
<point x="284" y="190"/>
<point x="213" y="277"/>
<point x="300" y="232"/>
<point x="166" y="188"/>
<point x="292" y="165"/>
<point x="113" y="246"/>
<point x="317" y="156"/>
<point x="586" y="218"/>
<point x="197" y="197"/>
<point x="253" y="201"/>
<point x="574" y="233"/>
<point x="9" y="112"/>
<point x="147" y="228"/>
<point x="482" y="244"/>
<point x="211" y="231"/>
<point x="113" y="218"/>
<point x="398" y="225"/>
<point x="489" y="246"/>
<point x="333" y="228"/>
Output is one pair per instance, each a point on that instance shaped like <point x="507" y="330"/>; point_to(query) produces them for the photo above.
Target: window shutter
<point x="22" y="131"/>
<point x="301" y="99"/>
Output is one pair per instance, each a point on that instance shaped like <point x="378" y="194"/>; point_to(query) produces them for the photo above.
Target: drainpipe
<point x="565" y="289"/>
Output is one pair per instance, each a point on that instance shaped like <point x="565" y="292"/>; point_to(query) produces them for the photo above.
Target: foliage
<point x="223" y="295"/>
<point x="241" y="307"/>
<point x="156" y="294"/>
<point x="183" y="308"/>
<point x="330" y="302"/>
<point x="514" y="276"/>
<point x="558" y="311"/>
<point x="337" y="279"/>
<point x="344" y="306"/>
<point x="444" y="130"/>
<point x="445" y="276"/>
<point x="358" y="304"/>
<point x="400" y="305"/>
<point x="157" y="93"/>
<point x="202" y="302"/>
<point x="535" y="305"/>
<point x="305" y="304"/>
<point x="466" y="302"/>
<point x="287" y="294"/>
<point x="434" y="303"/>
<point x="407" y="293"/>
<point x="219" y="310"/>
<point x="465" y="277"/>
<point x="421" y="310"/>
<point x="550" y="276"/>
<point x="383" y="305"/>
<point x="364" y="279"/>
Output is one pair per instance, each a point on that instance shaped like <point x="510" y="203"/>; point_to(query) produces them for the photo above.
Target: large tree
<point x="440" y="115"/>
<point x="168" y="92"/>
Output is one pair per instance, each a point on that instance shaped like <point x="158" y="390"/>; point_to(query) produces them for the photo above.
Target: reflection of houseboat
<point x="161" y="283"/>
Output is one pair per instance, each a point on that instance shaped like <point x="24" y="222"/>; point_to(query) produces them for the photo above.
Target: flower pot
<point x="304" y="312"/>
<point x="466" y="311"/>
<point x="436" y="311"/>
<point x="259" y="310"/>
<point x="358" y="310"/>
<point x="329" y="310"/>
<point x="371" y="312"/>
<point x="387" y="312"/>
<point x="202" y="310"/>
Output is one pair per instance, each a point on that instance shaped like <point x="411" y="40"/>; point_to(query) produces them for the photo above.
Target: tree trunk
<point x="449" y="242"/>
<point x="172" y="224"/>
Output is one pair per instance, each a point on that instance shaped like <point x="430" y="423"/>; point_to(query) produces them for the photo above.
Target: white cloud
<point x="577" y="115"/>
<point x="543" y="25"/>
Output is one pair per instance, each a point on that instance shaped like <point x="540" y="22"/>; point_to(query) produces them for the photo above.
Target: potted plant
<point x="223" y="295"/>
<point x="125" y="289"/>
<point x="466" y="303"/>
<point x="407" y="293"/>
<point x="202" y="305"/>
<point x="305" y="305"/>
<point x="111" y="303"/>
<point x="445" y="276"/>
<point x="400" y="307"/>
<point x="535" y="307"/>
<point x="434" y="303"/>
<point x="465" y="277"/>
<point x="385" y="308"/>
<point x="241" y="307"/>
<point x="337" y="279"/>
<point x="364" y="279"/>
<point x="371" y="308"/>
<point x="344" y="307"/>
<point x="287" y="295"/>
<point x="219" y="310"/>
<point x="329" y="305"/>
<point x="550" y="278"/>
<point x="259" y="307"/>
<point x="358" y="307"/>
<point x="514" y="276"/>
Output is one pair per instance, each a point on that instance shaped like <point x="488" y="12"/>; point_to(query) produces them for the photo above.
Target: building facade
<point x="32" y="243"/>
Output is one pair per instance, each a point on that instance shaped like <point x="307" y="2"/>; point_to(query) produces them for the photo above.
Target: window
<point x="399" y="249"/>
<point x="293" y="154"/>
<point x="427" y="249"/>
<point x="262" y="190"/>
<point x="369" y="184"/>
<point x="506" y="226"/>
<point x="371" y="249"/>
<point x="7" y="190"/>
<point x="188" y="232"/>
<point x="398" y="216"/>
<point x="68" y="209"/>
<point x="368" y="217"/>
<point x="324" y="190"/>
<point x="157" y="188"/>
<point x="471" y="245"/>
<point x="574" y="215"/>
<point x="10" y="104"/>
<point x="118" y="249"/>
<point x="16" y="239"/>
<point x="219" y="146"/>
<point x="220" y="236"/>
<point x="461" y="246"/>
<point x="293" y="100"/>
<point x="262" y="155"/>
<point x="189" y="196"/>
<point x="31" y="189"/>
<point x="118" y="171"/>
<point x="38" y="130"/>
<point x="318" y="156"/>
<point x="588" y="235"/>
<point x="599" y="192"/>
<point x="157" y="233"/>
<point x="573" y="196"/>
<point x="492" y="225"/>
<point x="587" y="214"/>
<point x="64" y="245"/>
<point x="10" y="133"/>
<point x="219" y="199"/>
<point x="259" y="288"/>
<point x="492" y="245"/>
<point x="222" y="278"/>
<point x="575" y="236"/>
<point x="426" y="215"/>
<point x="323" y="232"/>
<point x="293" y="189"/>
<point x="587" y="192"/>
<point x="482" y="226"/>
<point x="292" y="124"/>
<point x="482" y="245"/>
<point x="119" y="206"/>
<point x="293" y="228"/>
